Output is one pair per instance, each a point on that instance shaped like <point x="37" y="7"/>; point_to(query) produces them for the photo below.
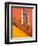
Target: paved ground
<point x="16" y="33"/>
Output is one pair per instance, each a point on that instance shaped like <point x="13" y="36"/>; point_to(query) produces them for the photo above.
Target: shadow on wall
<point x="37" y="22"/>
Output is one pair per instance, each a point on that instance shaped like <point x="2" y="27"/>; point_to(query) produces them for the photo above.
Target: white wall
<point x="2" y="8"/>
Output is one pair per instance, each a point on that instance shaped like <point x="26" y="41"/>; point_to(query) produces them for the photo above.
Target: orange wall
<point x="16" y="12"/>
